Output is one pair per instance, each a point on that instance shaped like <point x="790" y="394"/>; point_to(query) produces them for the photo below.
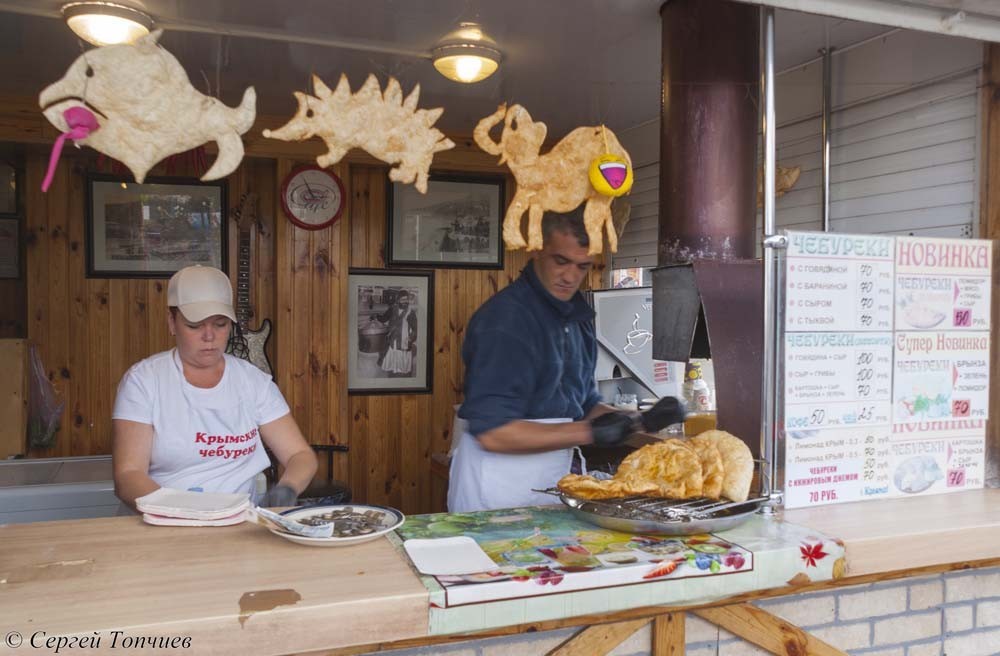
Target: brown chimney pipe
<point x="708" y="187"/>
<point x="708" y="130"/>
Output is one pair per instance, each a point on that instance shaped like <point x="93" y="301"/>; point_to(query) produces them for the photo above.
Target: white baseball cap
<point x="200" y="292"/>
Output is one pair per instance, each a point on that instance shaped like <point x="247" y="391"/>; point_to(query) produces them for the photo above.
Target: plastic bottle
<point x="697" y="393"/>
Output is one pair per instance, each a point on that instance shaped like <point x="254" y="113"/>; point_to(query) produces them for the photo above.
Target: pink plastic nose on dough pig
<point x="81" y="122"/>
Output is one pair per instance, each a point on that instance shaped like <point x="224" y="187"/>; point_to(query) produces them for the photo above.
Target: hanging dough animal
<point x="785" y="178"/>
<point x="146" y="108"/>
<point x="386" y="126"/>
<point x="557" y="181"/>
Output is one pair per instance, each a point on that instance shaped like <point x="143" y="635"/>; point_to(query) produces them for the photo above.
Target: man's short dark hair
<point x="570" y="222"/>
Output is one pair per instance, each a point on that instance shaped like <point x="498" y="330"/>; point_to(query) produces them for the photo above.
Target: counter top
<point x="242" y="590"/>
<point x="901" y="534"/>
<point x="236" y="589"/>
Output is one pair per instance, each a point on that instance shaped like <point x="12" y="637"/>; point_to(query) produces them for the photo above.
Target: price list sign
<point x="837" y="380"/>
<point x="838" y="356"/>
<point x="831" y="466"/>
<point x="886" y="366"/>
<point x="941" y="377"/>
<point x="941" y="365"/>
<point x="838" y="283"/>
<point x="946" y="457"/>
<point x="943" y="284"/>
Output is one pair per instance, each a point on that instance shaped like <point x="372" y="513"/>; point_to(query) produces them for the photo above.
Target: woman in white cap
<point x="194" y="418"/>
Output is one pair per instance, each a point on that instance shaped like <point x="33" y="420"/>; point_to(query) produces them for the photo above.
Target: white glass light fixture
<point x="106" y="23"/>
<point x="466" y="54"/>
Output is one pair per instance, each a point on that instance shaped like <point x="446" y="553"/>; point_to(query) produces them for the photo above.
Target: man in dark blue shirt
<point x="530" y="392"/>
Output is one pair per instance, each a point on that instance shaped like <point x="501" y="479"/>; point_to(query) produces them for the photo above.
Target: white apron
<point x="484" y="480"/>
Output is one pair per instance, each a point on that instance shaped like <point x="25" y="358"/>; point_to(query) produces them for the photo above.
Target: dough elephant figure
<point x="556" y="181"/>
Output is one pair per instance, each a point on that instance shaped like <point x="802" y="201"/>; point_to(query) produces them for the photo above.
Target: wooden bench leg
<point x="668" y="635"/>
<point x="767" y="631"/>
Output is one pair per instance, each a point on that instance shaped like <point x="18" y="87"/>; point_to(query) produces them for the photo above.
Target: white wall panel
<point x="637" y="245"/>
<point x="903" y="143"/>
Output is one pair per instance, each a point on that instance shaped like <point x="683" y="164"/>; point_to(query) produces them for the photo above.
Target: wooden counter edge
<point x="649" y="612"/>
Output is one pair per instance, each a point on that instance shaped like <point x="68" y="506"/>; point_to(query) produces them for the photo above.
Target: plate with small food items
<point x="343" y="524"/>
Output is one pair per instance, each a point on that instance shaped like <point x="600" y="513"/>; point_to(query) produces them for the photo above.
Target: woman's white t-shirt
<point x="203" y="439"/>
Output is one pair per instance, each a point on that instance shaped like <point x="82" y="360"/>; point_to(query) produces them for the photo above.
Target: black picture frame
<point x="11" y="186"/>
<point x="390" y="344"/>
<point x="11" y="258"/>
<point x="457" y="224"/>
<point x="154" y="232"/>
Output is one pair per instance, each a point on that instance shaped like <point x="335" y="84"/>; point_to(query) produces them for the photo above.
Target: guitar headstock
<point x="245" y="213"/>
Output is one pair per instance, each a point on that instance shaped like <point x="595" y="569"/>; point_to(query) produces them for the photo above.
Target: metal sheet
<point x="679" y="331"/>
<point x="624" y="327"/>
<point x="732" y="294"/>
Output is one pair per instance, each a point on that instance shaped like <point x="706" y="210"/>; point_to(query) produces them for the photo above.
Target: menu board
<point x="837" y="379"/>
<point x="838" y="282"/>
<point x="943" y="284"/>
<point x="835" y="465"/>
<point x="885" y="367"/>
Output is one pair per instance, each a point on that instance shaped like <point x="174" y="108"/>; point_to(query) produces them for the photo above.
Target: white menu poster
<point x="831" y="466"/>
<point x="941" y="376"/>
<point x="943" y="284"/>
<point x="837" y="380"/>
<point x="941" y="460"/>
<point x="885" y="367"/>
<point x="838" y="282"/>
<point x="838" y="358"/>
<point x="941" y="365"/>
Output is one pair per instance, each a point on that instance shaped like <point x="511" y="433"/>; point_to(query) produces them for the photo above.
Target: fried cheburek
<point x="588" y="487"/>
<point x="671" y="465"/>
<point x="713" y="464"/>
<point x="713" y="474"/>
<point x="737" y="461"/>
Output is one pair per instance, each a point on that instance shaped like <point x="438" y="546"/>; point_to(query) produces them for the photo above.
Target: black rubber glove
<point x="667" y="411"/>
<point x="612" y="428"/>
<point x="279" y="496"/>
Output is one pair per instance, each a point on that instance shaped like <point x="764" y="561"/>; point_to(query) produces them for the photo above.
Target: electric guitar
<point x="246" y="343"/>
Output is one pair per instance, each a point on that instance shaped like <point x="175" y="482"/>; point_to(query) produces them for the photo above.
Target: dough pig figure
<point x="146" y="108"/>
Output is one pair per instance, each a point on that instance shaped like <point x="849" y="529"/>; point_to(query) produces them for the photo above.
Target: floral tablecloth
<point x="551" y="565"/>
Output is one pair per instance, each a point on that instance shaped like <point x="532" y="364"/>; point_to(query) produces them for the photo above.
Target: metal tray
<point x="613" y="515"/>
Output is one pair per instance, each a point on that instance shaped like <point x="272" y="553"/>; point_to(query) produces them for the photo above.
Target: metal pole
<point x="827" y="66"/>
<point x="768" y="395"/>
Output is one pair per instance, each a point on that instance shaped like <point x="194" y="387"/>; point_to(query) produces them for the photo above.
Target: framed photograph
<point x="151" y="230"/>
<point x="455" y="224"/>
<point x="390" y="325"/>
<point x="10" y="183"/>
<point x="10" y="248"/>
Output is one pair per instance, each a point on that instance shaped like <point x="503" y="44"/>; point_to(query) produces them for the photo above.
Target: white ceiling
<point x="569" y="62"/>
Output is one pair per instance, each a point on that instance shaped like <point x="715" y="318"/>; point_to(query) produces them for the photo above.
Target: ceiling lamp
<point x="106" y="23"/>
<point x="466" y="54"/>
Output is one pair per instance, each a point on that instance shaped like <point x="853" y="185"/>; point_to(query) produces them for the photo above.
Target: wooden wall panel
<point x="13" y="397"/>
<point x="89" y="330"/>
<point x="394" y="436"/>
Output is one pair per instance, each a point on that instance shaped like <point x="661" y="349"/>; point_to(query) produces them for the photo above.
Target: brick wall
<point x="953" y="614"/>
